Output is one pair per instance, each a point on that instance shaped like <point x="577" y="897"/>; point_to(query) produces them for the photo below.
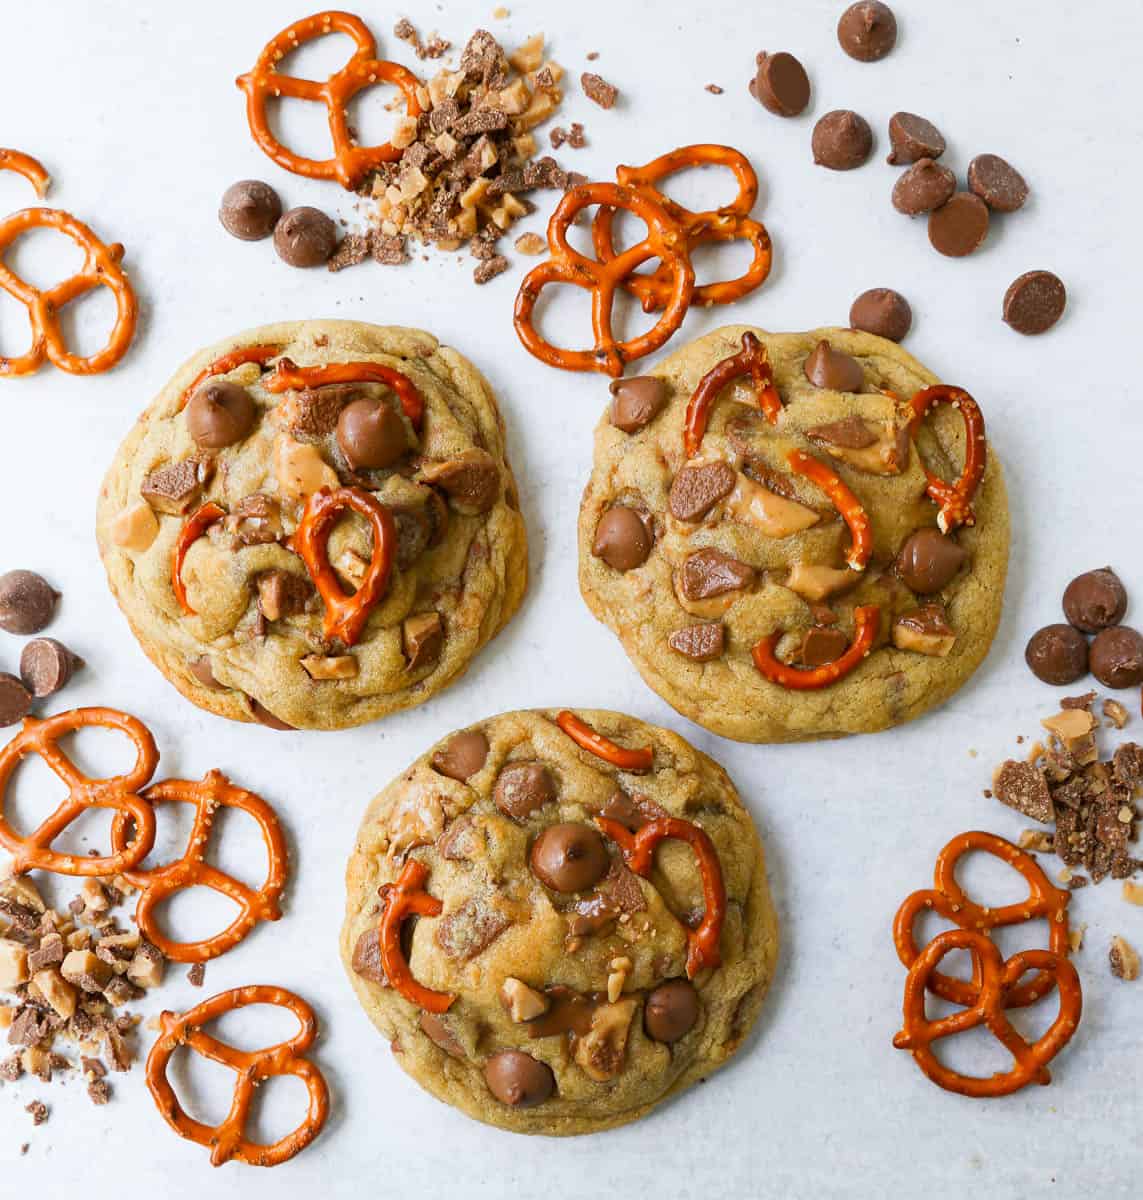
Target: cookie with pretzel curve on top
<point x="795" y="535"/>
<point x="559" y="919"/>
<point x="315" y="524"/>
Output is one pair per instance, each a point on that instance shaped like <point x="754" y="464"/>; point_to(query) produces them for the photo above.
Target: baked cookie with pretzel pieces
<point x="796" y="535"/>
<point x="593" y="928"/>
<point x="314" y="524"/>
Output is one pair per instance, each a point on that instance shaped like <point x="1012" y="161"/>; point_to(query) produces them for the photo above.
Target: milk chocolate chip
<point x="371" y="434"/>
<point x="305" y="237"/>
<point x="27" y="602"/>
<point x="1095" y="600"/>
<point x="842" y="140"/>
<point x="264" y="716"/>
<point x="462" y="755"/>
<point x="926" y="185"/>
<point x="523" y="787"/>
<point x="219" y="414"/>
<point x="997" y="183"/>
<point x="1057" y="654"/>
<point x="622" y="539"/>
<point x="709" y="573"/>
<point x="929" y="560"/>
<point x="882" y="311"/>
<point x="1034" y="302"/>
<point x="913" y="137"/>
<point x="201" y="669"/>
<point x="15" y="700"/>
<point x="699" y="642"/>
<point x="671" y="1010"/>
<point x="518" y="1079"/>
<point x="696" y="490"/>
<point x="46" y="666"/>
<point x="569" y="857"/>
<point x="250" y="209"/>
<point x="1117" y="657"/>
<point x="780" y="84"/>
<point x="636" y="402"/>
<point x="867" y="30"/>
<point x="960" y="226"/>
<point x="834" y="369"/>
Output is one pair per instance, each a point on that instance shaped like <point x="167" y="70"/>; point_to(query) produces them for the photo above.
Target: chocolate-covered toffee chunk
<point x="1034" y="302"/>
<point x="912" y="138"/>
<point x="925" y="186"/>
<point x="834" y="369"/>
<point x="702" y="643"/>
<point x="622" y="539"/>
<point x="1095" y="600"/>
<point x="462" y="755"/>
<point x="250" y="209"/>
<point x="471" y="480"/>
<point x="842" y="140"/>
<point x="695" y="490"/>
<point x="882" y="311"/>
<point x="305" y="237"/>
<point x="929" y="560"/>
<point x="422" y="639"/>
<point x="46" y="666"/>
<point x="710" y="572"/>
<point x="523" y="787"/>
<point x="569" y="857"/>
<point x="997" y="183"/>
<point x="867" y="30"/>
<point x="27" y="602"/>
<point x="960" y="226"/>
<point x="1057" y="654"/>
<point x="15" y="700"/>
<point x="822" y="644"/>
<point x="1117" y="657"/>
<point x="671" y="1010"/>
<point x="780" y="84"/>
<point x="636" y="402"/>
<point x="219" y="414"/>
<point x="518" y="1079"/>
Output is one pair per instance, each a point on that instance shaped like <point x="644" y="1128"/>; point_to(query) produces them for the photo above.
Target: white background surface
<point x="134" y="109"/>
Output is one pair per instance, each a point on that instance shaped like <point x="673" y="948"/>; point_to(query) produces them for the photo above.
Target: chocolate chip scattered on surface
<point x="249" y="210"/>
<point x="780" y="84"/>
<point x="959" y="226"/>
<point x="1034" y="302"/>
<point x="842" y="140"/>
<point x="882" y="311"/>
<point x="867" y="30"/>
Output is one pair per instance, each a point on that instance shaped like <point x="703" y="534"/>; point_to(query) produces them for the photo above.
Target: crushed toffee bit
<point x="351" y="250"/>
<point x="196" y="976"/>
<point x="530" y="243"/>
<point x="435" y="47"/>
<point x="1115" y="713"/>
<point x="596" y="88"/>
<point x="1123" y="959"/>
<point x="490" y="268"/>
<point x="39" y="1111"/>
<point x="99" y="1091"/>
<point x="1022" y="787"/>
<point x="714" y="89"/>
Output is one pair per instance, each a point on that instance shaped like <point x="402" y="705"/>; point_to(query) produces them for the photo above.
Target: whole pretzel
<point x="948" y="899"/>
<point x="998" y="978"/>
<point x="157" y="884"/>
<point x="638" y="851"/>
<point x="253" y="1067"/>
<point x="226" y="363"/>
<point x="843" y="500"/>
<point x="117" y="792"/>
<point x="31" y="168"/>
<point x="100" y="269"/>
<point x="666" y="240"/>
<point x="400" y="900"/>
<point x="954" y="500"/>
<point x="288" y="376"/>
<point x="345" y="616"/>
<point x="867" y="622"/>
<point x="753" y="361"/>
<point x="729" y="223"/>
<point x="193" y="528"/>
<point x="595" y="743"/>
<point x="349" y="162"/>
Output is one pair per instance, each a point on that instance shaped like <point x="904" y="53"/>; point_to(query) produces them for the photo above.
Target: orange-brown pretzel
<point x="31" y="168"/>
<point x="729" y="223"/>
<point x="843" y="500"/>
<point x="954" y="500"/>
<point x="751" y="360"/>
<point x="345" y="616"/>
<point x="156" y="884"/>
<point x="193" y="528"/>
<point x="867" y="621"/>
<point x="948" y="899"/>
<point x="253" y="1067"/>
<point x="117" y="792"/>
<point x="638" y="851"/>
<point x="288" y="376"/>
<point x="363" y="70"/>
<point x="407" y="898"/>
<point x="595" y="743"/>
<point x="226" y="363"/>
<point x="997" y="978"/>
<point x="101" y="268"/>
<point x="666" y="240"/>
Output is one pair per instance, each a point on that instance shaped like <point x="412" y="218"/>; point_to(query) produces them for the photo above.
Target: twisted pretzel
<point x="666" y="240"/>
<point x="345" y="616"/>
<point x="638" y="850"/>
<point x="400" y="900"/>
<point x="116" y="792"/>
<point x="843" y="500"/>
<point x="193" y="528"/>
<point x="349" y="162"/>
<point x="228" y="1140"/>
<point x="954" y="500"/>
<point x="288" y="376"/>
<point x="226" y="363"/>
<point x="867" y="621"/>
<point x="595" y="743"/>
<point x="192" y="869"/>
<point x="948" y="899"/>
<point x="729" y="223"/>
<point x="998" y="978"/>
<point x="751" y="360"/>
<point x="32" y="170"/>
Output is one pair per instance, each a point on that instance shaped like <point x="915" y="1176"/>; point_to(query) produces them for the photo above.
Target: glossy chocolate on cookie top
<point x="562" y="965"/>
<point x="752" y="539"/>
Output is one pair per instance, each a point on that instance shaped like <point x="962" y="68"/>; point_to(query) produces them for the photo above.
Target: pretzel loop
<point x="867" y="622"/>
<point x="119" y="793"/>
<point x="193" y="528"/>
<point x="349" y="162"/>
<point x="228" y="1140"/>
<point x="101" y="268"/>
<point x="31" y="168"/>
<point x="949" y="900"/>
<point x="843" y="499"/>
<point x="345" y="616"/>
<point x="192" y="869"/>
<point x="288" y="376"/>
<point x="665" y="240"/>
<point x="226" y="363"/>
<point x="728" y="223"/>
<point x="584" y="736"/>
<point x="998" y="979"/>
<point x="638" y="850"/>
<point x="400" y="900"/>
<point x="953" y="500"/>
<point x="753" y="361"/>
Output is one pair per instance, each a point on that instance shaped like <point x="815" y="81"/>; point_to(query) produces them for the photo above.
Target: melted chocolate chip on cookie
<point x="518" y="1079"/>
<point x="622" y="539"/>
<point x="636" y="402"/>
<point x="462" y="755"/>
<point x="569" y="857"/>
<point x="219" y="414"/>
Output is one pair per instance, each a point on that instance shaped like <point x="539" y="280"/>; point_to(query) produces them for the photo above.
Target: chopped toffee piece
<point x="282" y="594"/>
<point x="696" y="489"/>
<point x="1023" y="787"/>
<point x="175" y="488"/>
<point x="522" y="788"/>
<point x="710" y="572"/>
<point x="471" y="929"/>
<point x="422" y="639"/>
<point x="596" y="88"/>
<point x="702" y="643"/>
<point x="1123" y="959"/>
<point x="924" y="630"/>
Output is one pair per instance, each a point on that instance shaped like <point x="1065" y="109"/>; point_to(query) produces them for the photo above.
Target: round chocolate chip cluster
<point x="27" y="606"/>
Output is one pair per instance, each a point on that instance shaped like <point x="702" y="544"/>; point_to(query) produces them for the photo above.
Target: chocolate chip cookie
<point x="314" y="524"/>
<point x="559" y="919"/>
<point x="795" y="535"/>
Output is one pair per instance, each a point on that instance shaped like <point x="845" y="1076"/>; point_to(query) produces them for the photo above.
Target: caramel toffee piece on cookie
<point x="314" y="524"/>
<point x="817" y="546"/>
<point x="593" y="929"/>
